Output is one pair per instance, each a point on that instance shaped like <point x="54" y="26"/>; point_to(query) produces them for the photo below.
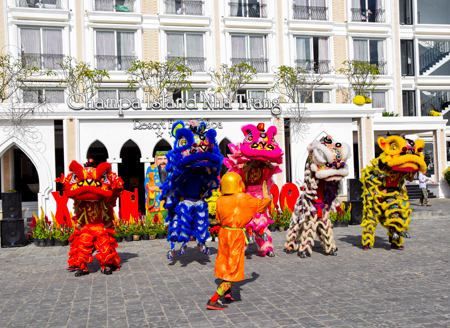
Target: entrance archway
<point x="131" y="170"/>
<point x="98" y="152"/>
<point x="162" y="145"/>
<point x="225" y="151"/>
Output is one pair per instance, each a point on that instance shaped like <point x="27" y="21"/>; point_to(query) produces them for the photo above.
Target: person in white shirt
<point x="423" y="186"/>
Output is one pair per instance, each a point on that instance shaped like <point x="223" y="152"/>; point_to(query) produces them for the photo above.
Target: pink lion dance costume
<point x="256" y="160"/>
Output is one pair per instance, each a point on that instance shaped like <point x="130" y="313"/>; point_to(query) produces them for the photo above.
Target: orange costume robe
<point x="234" y="211"/>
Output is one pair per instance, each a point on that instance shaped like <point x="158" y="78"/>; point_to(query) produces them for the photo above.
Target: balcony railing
<point x="368" y="15"/>
<point x="310" y="13"/>
<point x="114" y="5"/>
<point x="382" y="66"/>
<point x="47" y="4"/>
<point x="260" y="64"/>
<point x="248" y="10"/>
<point x="115" y="63"/>
<point x="320" y="67"/>
<point x="196" y="64"/>
<point x="439" y="102"/>
<point x="42" y="60"/>
<point x="184" y="7"/>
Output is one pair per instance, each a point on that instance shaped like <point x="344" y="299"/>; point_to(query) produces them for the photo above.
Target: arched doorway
<point x="225" y="151"/>
<point x="131" y="170"/>
<point x="162" y="145"/>
<point x="98" y="152"/>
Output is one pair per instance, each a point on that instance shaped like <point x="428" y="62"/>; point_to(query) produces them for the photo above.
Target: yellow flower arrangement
<point x="359" y="100"/>
<point x="435" y="113"/>
<point x="367" y="100"/>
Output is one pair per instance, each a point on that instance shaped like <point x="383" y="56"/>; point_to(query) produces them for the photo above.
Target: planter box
<point x="152" y="237"/>
<point x="272" y="228"/>
<point x="145" y="237"/>
<point x="61" y="242"/>
<point x="118" y="239"/>
<point x="128" y="238"/>
<point x="160" y="236"/>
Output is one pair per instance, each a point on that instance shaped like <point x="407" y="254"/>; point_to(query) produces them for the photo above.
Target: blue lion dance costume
<point x="193" y="167"/>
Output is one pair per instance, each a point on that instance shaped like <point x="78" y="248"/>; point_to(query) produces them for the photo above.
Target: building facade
<point x="409" y="40"/>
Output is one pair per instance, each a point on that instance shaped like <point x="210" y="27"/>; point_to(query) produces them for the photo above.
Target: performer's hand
<point x="181" y="198"/>
<point x="152" y="188"/>
<point x="208" y="169"/>
<point x="269" y="166"/>
<point x="266" y="194"/>
<point x="78" y="226"/>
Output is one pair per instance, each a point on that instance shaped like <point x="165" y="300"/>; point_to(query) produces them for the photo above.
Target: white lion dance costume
<point x="325" y="168"/>
<point x="256" y="160"/>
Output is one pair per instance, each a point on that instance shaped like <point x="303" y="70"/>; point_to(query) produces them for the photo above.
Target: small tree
<point x="19" y="77"/>
<point x="160" y="79"/>
<point x="229" y="79"/>
<point x="80" y="78"/>
<point x="296" y="82"/>
<point x="361" y="76"/>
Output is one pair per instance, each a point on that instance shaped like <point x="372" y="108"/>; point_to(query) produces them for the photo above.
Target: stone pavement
<point x="376" y="288"/>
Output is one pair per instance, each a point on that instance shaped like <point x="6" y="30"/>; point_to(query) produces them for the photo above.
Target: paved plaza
<point x="376" y="288"/>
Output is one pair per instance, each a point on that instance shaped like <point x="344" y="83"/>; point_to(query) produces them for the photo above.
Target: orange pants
<point x="84" y="241"/>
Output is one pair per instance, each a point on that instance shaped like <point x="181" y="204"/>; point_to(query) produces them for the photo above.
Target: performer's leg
<point x="308" y="234"/>
<point x="73" y="260"/>
<point x="369" y="224"/>
<point x="180" y="227"/>
<point x="264" y="242"/>
<point x="106" y="246"/>
<point x="293" y="234"/>
<point x="81" y="252"/>
<point x="214" y="302"/>
<point x="326" y="236"/>
<point x="397" y="220"/>
<point x="200" y="225"/>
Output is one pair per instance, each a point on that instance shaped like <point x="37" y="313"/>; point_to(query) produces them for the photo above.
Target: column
<point x="366" y="149"/>
<point x="70" y="142"/>
<point x="115" y="168"/>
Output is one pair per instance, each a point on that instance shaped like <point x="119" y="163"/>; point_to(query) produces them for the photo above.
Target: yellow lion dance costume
<point x="385" y="197"/>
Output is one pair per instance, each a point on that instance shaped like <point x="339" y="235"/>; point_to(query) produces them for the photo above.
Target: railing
<point x="114" y="5"/>
<point x="320" y="67"/>
<point x="433" y="55"/>
<point x="260" y="64"/>
<point x="47" y="4"/>
<point x="184" y="7"/>
<point x="439" y="102"/>
<point x="382" y="66"/>
<point x="310" y="13"/>
<point x="42" y="60"/>
<point x="368" y="15"/>
<point x="119" y="63"/>
<point x="196" y="64"/>
<point x="248" y="10"/>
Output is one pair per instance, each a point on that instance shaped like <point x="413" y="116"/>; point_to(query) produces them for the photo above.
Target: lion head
<point x="260" y="144"/>
<point x="327" y="159"/>
<point x="90" y="183"/>
<point x="402" y="154"/>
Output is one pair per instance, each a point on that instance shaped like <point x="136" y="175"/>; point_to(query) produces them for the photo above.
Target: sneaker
<point x="72" y="268"/>
<point x="106" y="270"/>
<point x="215" y="306"/>
<point x="393" y="246"/>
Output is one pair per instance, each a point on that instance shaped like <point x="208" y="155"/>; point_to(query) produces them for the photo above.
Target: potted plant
<point x="117" y="226"/>
<point x="274" y="216"/>
<point x="61" y="233"/>
<point x="214" y="232"/>
<point x="136" y="228"/>
<point x="127" y="231"/>
<point x="145" y="229"/>
<point x="286" y="217"/>
<point x="38" y="231"/>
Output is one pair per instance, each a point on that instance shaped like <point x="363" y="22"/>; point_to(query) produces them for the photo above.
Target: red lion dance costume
<point x="256" y="160"/>
<point x="95" y="191"/>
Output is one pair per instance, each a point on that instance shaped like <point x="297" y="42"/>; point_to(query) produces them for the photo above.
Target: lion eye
<point x="74" y="178"/>
<point x="182" y="142"/>
<point x="104" y="178"/>
<point x="394" y="146"/>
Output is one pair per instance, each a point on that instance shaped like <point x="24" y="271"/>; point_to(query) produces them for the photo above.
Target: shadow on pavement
<point x="236" y="288"/>
<point x="192" y="255"/>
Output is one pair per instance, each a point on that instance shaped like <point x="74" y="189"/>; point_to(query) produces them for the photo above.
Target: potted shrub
<point x="214" y="232"/>
<point x="117" y="226"/>
<point x="145" y="229"/>
<point x="127" y="231"/>
<point x="61" y="233"/>
<point x="286" y="217"/>
<point x="273" y="216"/>
<point x="136" y="228"/>
<point x="38" y="231"/>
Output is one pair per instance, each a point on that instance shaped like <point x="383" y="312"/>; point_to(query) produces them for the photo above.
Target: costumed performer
<point x="193" y="167"/>
<point x="257" y="159"/>
<point x="155" y="176"/>
<point x="325" y="168"/>
<point x="94" y="191"/>
<point x="385" y="197"/>
<point x="234" y="210"/>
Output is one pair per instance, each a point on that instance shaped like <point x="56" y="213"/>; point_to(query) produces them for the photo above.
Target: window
<point x="433" y="11"/>
<point x="409" y="108"/>
<point x="41" y="47"/>
<point x="248" y="8"/>
<point x="43" y="96"/>
<point x="317" y="97"/>
<point x="189" y="94"/>
<point x="114" y="5"/>
<point x="184" y="7"/>
<point x="250" y="49"/>
<point x="368" y="11"/>
<point x="312" y="54"/>
<point x="371" y="51"/>
<point x="189" y="47"/>
<point x="406" y="12"/>
<point x="378" y="99"/>
<point x="434" y="100"/>
<point x="433" y="57"/>
<point x="448" y="151"/>
<point x="47" y="4"/>
<point x="250" y="94"/>
<point x="115" y="50"/>
<point x="407" y="50"/>
<point x="116" y="94"/>
<point x="310" y="9"/>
